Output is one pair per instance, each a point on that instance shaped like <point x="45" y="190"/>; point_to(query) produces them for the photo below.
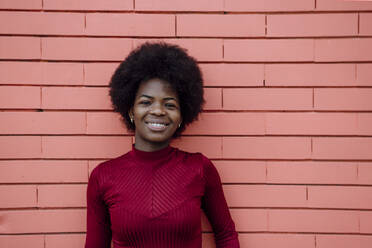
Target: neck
<point x="153" y="159"/>
<point x="150" y="147"/>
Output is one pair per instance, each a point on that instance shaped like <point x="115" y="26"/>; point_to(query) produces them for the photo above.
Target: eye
<point x="145" y="102"/>
<point x="171" y="105"/>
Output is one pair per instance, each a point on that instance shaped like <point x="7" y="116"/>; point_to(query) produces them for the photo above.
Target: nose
<point x="157" y="109"/>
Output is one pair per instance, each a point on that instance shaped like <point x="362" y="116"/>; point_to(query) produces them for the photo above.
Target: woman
<point x="152" y="196"/>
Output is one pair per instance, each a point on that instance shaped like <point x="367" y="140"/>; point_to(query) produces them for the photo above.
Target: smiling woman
<point x="152" y="196"/>
<point x="156" y="114"/>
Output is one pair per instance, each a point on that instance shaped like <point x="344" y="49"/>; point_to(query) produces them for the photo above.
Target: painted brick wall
<point x="288" y="119"/>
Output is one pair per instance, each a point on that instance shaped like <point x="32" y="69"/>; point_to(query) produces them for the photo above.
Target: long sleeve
<point x="215" y="207"/>
<point x="98" y="218"/>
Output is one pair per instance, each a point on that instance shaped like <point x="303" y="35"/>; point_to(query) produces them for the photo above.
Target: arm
<point x="98" y="218"/>
<point x="216" y="209"/>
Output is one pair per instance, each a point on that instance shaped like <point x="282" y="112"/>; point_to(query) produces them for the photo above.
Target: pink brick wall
<point x="288" y="119"/>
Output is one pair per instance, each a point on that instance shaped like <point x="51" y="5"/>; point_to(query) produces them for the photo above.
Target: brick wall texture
<point x="288" y="118"/>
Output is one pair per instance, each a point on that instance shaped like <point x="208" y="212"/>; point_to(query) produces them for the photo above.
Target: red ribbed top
<point x="154" y="199"/>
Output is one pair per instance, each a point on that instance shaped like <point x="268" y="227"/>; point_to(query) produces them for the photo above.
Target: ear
<point x="130" y="113"/>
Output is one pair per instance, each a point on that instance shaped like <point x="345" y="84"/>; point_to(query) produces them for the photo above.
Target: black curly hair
<point x="164" y="61"/>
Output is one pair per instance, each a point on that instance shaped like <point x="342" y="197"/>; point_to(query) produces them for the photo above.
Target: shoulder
<point x="105" y="169"/>
<point x="198" y="161"/>
<point x="194" y="157"/>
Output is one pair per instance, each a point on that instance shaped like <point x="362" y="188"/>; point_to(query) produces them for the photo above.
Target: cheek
<point x="177" y="117"/>
<point x="138" y="113"/>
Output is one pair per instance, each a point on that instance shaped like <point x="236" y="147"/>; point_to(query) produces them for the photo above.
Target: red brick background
<point x="288" y="118"/>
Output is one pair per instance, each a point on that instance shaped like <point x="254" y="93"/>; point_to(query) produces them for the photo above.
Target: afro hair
<point x="164" y="61"/>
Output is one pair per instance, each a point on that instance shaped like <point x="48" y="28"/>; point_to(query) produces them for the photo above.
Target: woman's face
<point x="156" y="114"/>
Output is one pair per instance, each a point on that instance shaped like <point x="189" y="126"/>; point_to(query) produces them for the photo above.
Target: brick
<point x="19" y="97"/>
<point x="42" y="123"/>
<point x="278" y="50"/>
<point x="43" y="171"/>
<point x="345" y="49"/>
<point x="227" y="124"/>
<point x="364" y="74"/>
<point x="21" y="4"/>
<point x="233" y="74"/>
<point x="213" y="98"/>
<point x="63" y="73"/>
<point x="16" y="241"/>
<point x="179" y="5"/>
<point x="339" y="197"/>
<point x="241" y="171"/>
<point x="250" y="220"/>
<point x="20" y="147"/>
<point x="116" y="5"/>
<point x="209" y="146"/>
<point x="41" y="73"/>
<point x="105" y="123"/>
<point x="343" y="241"/>
<point x="20" y="47"/>
<point x="365" y="222"/>
<point x="364" y="123"/>
<point x="354" y="148"/>
<point x="311" y="172"/>
<point x="63" y="240"/>
<point x="75" y="98"/>
<point x="334" y="99"/>
<point x="99" y="73"/>
<point x="311" y="75"/>
<point x="97" y="49"/>
<point x="324" y="221"/>
<point x="17" y="196"/>
<point x="265" y="196"/>
<point x="130" y="24"/>
<point x="213" y="25"/>
<point x="365" y="23"/>
<point x="62" y="195"/>
<point x="267" y="99"/>
<point x="312" y="123"/>
<point x="264" y="240"/>
<point x="85" y="146"/>
<point x="15" y="72"/>
<point x="305" y="25"/>
<point x="268" y="5"/>
<point x="266" y="147"/>
<point x="365" y="173"/>
<point x="343" y="5"/>
<point x="42" y="221"/>
<point x="201" y="49"/>
<point x="42" y="23"/>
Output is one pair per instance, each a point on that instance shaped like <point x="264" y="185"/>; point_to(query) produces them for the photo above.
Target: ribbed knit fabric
<point x="154" y="199"/>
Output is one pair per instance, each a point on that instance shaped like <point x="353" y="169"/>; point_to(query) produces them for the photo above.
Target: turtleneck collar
<point x="152" y="158"/>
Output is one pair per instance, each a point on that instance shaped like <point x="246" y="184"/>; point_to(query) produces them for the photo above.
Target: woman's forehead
<point x="156" y="88"/>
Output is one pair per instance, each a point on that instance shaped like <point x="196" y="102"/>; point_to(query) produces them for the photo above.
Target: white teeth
<point x="156" y="124"/>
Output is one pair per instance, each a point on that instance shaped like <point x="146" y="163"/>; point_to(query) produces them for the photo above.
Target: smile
<point x="155" y="126"/>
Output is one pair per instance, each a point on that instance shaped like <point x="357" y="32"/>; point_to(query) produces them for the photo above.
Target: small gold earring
<point x="131" y="119"/>
<point x="179" y="125"/>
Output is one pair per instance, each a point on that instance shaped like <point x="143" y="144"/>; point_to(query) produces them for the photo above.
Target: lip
<point x="156" y="126"/>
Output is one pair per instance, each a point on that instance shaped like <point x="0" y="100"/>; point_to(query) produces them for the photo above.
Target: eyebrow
<point x="166" y="98"/>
